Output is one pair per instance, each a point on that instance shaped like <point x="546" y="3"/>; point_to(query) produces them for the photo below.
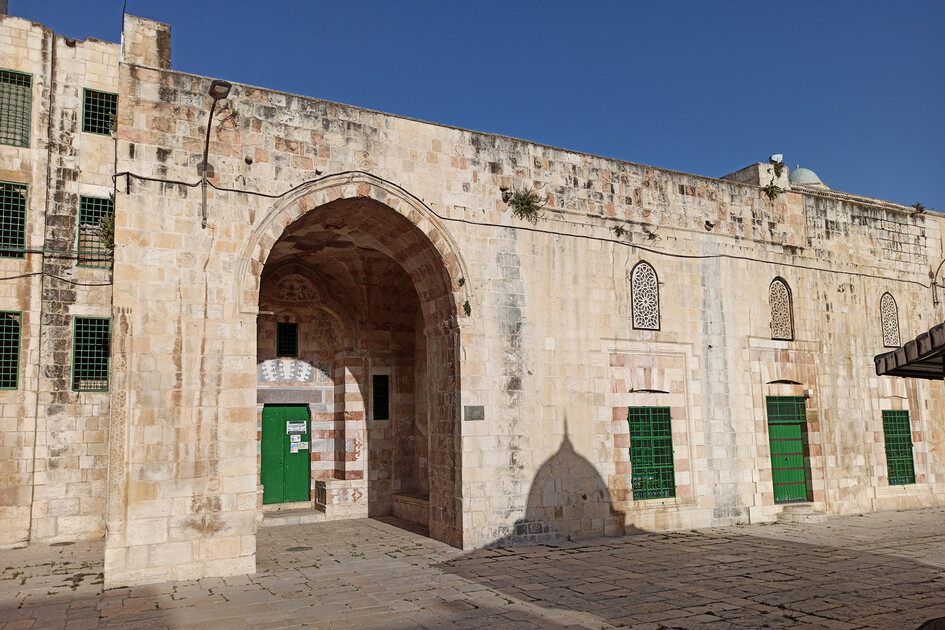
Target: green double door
<point x="286" y="461"/>
<point x="787" y="419"/>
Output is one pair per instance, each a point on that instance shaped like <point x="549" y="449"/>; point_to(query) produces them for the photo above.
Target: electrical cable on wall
<point x="525" y="228"/>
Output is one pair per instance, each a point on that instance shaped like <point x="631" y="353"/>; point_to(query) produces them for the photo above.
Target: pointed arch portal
<point x="369" y="280"/>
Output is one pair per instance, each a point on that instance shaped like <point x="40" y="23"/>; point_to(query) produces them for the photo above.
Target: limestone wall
<point x="547" y="349"/>
<point x="53" y="457"/>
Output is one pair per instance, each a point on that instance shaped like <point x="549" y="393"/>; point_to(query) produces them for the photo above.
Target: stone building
<point x="359" y="316"/>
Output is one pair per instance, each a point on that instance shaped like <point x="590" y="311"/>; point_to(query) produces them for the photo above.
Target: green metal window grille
<point x="12" y="220"/>
<point x="381" y="396"/>
<point x="90" y="354"/>
<point x="99" y="111"/>
<point x="898" y="434"/>
<point x="15" y="105"/>
<point x="9" y="349"/>
<point x="651" y="453"/>
<point x="92" y="252"/>
<point x="287" y="339"/>
<point x="789" y="409"/>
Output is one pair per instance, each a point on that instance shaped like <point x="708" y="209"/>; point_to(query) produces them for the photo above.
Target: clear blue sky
<point x="852" y="90"/>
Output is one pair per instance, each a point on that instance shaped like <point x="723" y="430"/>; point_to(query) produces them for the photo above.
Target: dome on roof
<point x="806" y="177"/>
<point x="803" y="176"/>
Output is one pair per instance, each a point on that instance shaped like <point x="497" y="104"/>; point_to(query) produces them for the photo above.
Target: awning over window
<point x="920" y="358"/>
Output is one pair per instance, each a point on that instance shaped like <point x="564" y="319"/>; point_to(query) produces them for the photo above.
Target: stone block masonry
<point x="388" y="245"/>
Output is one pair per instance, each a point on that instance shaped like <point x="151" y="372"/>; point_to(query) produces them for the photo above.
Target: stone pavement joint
<point x="881" y="570"/>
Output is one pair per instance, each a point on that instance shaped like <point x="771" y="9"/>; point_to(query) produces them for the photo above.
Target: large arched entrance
<point x="357" y="356"/>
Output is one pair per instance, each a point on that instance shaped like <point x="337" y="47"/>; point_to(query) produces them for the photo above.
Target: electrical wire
<point x="525" y="228"/>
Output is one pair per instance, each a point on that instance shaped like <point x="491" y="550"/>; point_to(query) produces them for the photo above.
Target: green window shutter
<point x="898" y="433"/>
<point x="12" y="219"/>
<point x="90" y="354"/>
<point x="95" y="250"/>
<point x="99" y="111"/>
<point x="9" y="349"/>
<point x="15" y="108"/>
<point x="651" y="453"/>
<point x="287" y="339"/>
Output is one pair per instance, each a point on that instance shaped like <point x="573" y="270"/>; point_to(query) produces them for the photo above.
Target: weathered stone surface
<point x="390" y="245"/>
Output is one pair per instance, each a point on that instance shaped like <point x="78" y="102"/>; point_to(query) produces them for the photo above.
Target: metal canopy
<point x="920" y="358"/>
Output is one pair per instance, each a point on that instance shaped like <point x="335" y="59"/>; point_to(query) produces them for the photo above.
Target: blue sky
<point x="852" y="90"/>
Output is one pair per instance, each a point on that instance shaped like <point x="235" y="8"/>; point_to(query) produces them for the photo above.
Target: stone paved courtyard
<point x="884" y="570"/>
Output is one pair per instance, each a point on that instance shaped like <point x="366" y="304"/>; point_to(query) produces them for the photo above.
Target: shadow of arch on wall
<point x="381" y="217"/>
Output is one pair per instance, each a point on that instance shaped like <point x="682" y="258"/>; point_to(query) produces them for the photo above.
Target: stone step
<point x="801" y="513"/>
<point x="292" y="517"/>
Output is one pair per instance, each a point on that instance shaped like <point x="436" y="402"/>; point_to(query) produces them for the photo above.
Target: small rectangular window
<point x="90" y="354"/>
<point x="15" y="104"/>
<point x="651" y="453"/>
<point x="12" y="219"/>
<point x="9" y="349"/>
<point x="287" y="339"/>
<point x="380" y="399"/>
<point x="99" y="112"/>
<point x="898" y="433"/>
<point x="94" y="250"/>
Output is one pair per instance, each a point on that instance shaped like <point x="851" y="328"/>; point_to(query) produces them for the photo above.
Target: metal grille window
<point x="90" y="354"/>
<point x="782" y="318"/>
<point x="889" y="315"/>
<point x="380" y="387"/>
<point x="15" y="105"/>
<point x="651" y="453"/>
<point x="898" y="433"/>
<point x="99" y="111"/>
<point x="9" y="349"/>
<point x="93" y="252"/>
<point x="645" y="297"/>
<point x="287" y="339"/>
<point x="12" y="219"/>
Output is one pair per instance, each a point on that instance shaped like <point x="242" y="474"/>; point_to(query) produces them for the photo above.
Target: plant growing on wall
<point x="918" y="208"/>
<point x="106" y="230"/>
<point x="527" y="205"/>
<point x="618" y="231"/>
<point x="772" y="190"/>
<point x="778" y="168"/>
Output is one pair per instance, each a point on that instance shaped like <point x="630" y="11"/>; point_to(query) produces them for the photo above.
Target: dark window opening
<point x="287" y="339"/>
<point x="381" y="396"/>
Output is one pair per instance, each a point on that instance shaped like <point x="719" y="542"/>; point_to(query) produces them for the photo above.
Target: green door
<point x="285" y="474"/>
<point x="786" y="422"/>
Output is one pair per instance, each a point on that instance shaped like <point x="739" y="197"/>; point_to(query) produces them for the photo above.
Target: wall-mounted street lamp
<point x="218" y="91"/>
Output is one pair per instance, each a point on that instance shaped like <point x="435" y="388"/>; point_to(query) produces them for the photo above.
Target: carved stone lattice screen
<point x="645" y="297"/>
<point x="889" y="313"/>
<point x="782" y="321"/>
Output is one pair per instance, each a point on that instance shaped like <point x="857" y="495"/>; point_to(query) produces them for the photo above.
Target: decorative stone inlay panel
<point x="782" y="323"/>
<point x="323" y="373"/>
<point x="286" y="371"/>
<point x="889" y="313"/>
<point x="645" y="297"/>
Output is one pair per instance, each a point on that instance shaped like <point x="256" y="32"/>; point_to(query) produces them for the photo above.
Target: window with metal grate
<point x="15" y="105"/>
<point x="12" y="219"/>
<point x="93" y="250"/>
<point x="651" y="453"/>
<point x="99" y="111"/>
<point x="9" y="349"/>
<point x="287" y="339"/>
<point x="898" y="433"/>
<point x="90" y="354"/>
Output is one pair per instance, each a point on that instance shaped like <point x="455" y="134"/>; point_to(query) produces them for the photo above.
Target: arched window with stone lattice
<point x="889" y="315"/>
<point x="782" y="311"/>
<point x="645" y="297"/>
